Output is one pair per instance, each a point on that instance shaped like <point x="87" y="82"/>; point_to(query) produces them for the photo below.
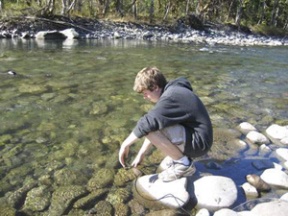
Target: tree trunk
<point x="198" y="8"/>
<point x="230" y="9"/>
<point x="72" y="7"/>
<point x="262" y="11"/>
<point x="275" y="13"/>
<point x="151" y="11"/>
<point x="239" y="13"/>
<point x="51" y="6"/>
<point x="64" y="7"/>
<point x="119" y="7"/>
<point x="134" y="9"/>
<point x="106" y="7"/>
<point x="187" y="7"/>
<point x="286" y="23"/>
<point x="167" y="9"/>
<point x="39" y="3"/>
<point x="1" y="5"/>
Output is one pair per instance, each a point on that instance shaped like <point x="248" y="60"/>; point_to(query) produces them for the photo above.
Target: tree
<point x="1" y="5"/>
<point x="239" y="13"/>
<point x="151" y="11"/>
<point x="275" y="13"/>
<point x="119" y="6"/>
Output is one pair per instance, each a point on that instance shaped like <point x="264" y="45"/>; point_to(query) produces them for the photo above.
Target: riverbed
<point x="71" y="103"/>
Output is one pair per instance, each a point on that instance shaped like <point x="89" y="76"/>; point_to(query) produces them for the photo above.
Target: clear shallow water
<point x="72" y="105"/>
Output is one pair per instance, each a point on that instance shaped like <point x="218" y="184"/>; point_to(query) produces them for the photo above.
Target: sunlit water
<point x="72" y="104"/>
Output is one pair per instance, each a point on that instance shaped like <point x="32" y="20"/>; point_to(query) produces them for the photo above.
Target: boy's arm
<point x="124" y="149"/>
<point x="145" y="146"/>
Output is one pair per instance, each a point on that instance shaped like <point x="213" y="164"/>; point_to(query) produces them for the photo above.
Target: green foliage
<point x="253" y="12"/>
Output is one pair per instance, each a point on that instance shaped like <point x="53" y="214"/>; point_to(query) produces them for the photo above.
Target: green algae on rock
<point x="38" y="199"/>
<point x="102" y="178"/>
<point x="63" y="197"/>
<point x="90" y="199"/>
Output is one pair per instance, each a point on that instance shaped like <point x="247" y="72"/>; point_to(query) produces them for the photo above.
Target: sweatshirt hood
<point x="181" y="82"/>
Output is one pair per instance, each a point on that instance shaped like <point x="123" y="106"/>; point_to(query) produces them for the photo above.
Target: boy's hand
<point x="137" y="160"/>
<point x="123" y="153"/>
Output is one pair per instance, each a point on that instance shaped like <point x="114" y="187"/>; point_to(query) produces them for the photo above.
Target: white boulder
<point x="171" y="194"/>
<point x="257" y="138"/>
<point x="215" y="192"/>
<point x="246" y="213"/>
<point x="225" y="212"/>
<point x="246" y="127"/>
<point x="277" y="131"/>
<point x="70" y="33"/>
<point x="282" y="153"/>
<point x="203" y="212"/>
<point x="278" y="207"/>
<point x="284" y="197"/>
<point x="250" y="190"/>
<point x="275" y="177"/>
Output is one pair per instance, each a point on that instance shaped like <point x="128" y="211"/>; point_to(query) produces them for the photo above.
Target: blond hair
<point x="149" y="78"/>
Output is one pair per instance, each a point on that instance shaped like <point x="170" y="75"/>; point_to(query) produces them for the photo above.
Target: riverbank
<point x="194" y="31"/>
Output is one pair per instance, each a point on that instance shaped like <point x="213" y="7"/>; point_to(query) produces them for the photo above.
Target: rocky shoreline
<point x="79" y="28"/>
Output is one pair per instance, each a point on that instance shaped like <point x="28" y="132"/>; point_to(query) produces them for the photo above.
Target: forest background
<point x="268" y="17"/>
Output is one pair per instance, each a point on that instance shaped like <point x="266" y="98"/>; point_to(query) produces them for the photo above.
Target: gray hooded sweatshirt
<point x="179" y="105"/>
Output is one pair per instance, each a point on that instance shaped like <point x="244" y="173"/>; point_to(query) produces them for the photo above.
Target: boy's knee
<point x="176" y="135"/>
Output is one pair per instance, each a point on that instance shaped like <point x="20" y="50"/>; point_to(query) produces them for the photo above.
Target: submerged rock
<point x="17" y="197"/>
<point x="104" y="208"/>
<point x="123" y="176"/>
<point x="121" y="209"/>
<point x="90" y="199"/>
<point x="68" y="176"/>
<point x="103" y="178"/>
<point x="119" y="195"/>
<point x="37" y="200"/>
<point x="63" y="197"/>
<point x="6" y="210"/>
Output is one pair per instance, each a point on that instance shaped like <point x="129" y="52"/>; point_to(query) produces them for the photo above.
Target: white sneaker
<point x="176" y="171"/>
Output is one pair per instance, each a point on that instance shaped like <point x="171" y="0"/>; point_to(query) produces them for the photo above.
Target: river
<point x="71" y="104"/>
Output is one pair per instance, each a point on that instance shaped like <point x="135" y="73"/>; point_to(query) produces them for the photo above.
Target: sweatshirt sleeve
<point x="165" y="113"/>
